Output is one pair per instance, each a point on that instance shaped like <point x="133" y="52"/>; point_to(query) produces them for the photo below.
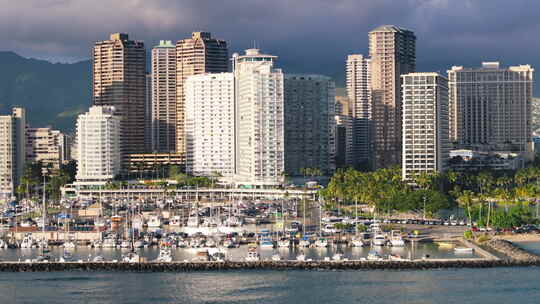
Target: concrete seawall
<point x="263" y="265"/>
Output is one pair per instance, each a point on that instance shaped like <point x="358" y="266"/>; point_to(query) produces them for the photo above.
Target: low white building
<point x="209" y="124"/>
<point x="98" y="145"/>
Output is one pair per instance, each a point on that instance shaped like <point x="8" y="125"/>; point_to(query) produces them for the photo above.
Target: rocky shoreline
<point x="513" y="252"/>
<point x="264" y="265"/>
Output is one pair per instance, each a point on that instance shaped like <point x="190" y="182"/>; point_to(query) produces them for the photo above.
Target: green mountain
<point x="53" y="94"/>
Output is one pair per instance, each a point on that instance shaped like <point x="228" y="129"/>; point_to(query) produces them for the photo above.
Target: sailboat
<point x="43" y="257"/>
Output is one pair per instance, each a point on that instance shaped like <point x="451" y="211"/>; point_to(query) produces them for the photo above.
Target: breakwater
<point x="263" y="265"/>
<point x="512" y="251"/>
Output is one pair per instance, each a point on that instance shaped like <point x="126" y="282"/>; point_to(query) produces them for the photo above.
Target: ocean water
<point x="495" y="285"/>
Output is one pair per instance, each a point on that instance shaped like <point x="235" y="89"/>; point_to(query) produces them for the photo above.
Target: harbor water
<point x="411" y="250"/>
<point x="494" y="285"/>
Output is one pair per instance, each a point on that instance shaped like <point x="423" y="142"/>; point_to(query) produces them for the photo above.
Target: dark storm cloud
<point x="307" y="35"/>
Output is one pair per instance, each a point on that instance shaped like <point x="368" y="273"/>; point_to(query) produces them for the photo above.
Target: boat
<point x="139" y="244"/>
<point x="69" y="245"/>
<point x="395" y="257"/>
<point x="337" y="257"/>
<point x="321" y="243"/>
<point x="3" y="244"/>
<point x="176" y="221"/>
<point x="466" y="250"/>
<point x="125" y="244"/>
<point x="266" y="244"/>
<point x="445" y="245"/>
<point x="379" y="240"/>
<point x="28" y="242"/>
<point x="66" y="257"/>
<point x="210" y="243"/>
<point x="154" y="221"/>
<point x="193" y="221"/>
<point x="304" y="242"/>
<point x="201" y="256"/>
<point x="396" y="239"/>
<point x="374" y="256"/>
<point x="218" y="256"/>
<point x="357" y="242"/>
<point x="253" y="254"/>
<point x="109" y="243"/>
<point x="301" y="257"/>
<point x="276" y="257"/>
<point x="228" y="243"/>
<point x="284" y="243"/>
<point x="165" y="255"/>
<point x="42" y="258"/>
<point x="131" y="257"/>
<point x="98" y="259"/>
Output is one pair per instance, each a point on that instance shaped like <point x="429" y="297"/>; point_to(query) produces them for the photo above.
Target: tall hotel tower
<point x="393" y="53"/>
<point x="163" y="105"/>
<point x="490" y="107"/>
<point x="259" y="116"/>
<point x="359" y="95"/>
<point x="196" y="55"/>
<point x="426" y="135"/>
<point x="119" y="80"/>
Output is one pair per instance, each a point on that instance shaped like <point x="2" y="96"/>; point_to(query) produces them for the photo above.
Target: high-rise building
<point x="309" y="118"/>
<point x="490" y="107"/>
<point x="119" y="69"/>
<point x="12" y="152"/>
<point x="148" y="113"/>
<point x="359" y="94"/>
<point x="342" y="105"/>
<point x="196" y="55"/>
<point x="259" y="119"/>
<point x="392" y="51"/>
<point x="209" y="124"/>
<point x="164" y="97"/>
<point x="343" y="144"/>
<point x="98" y="145"/>
<point x="426" y="135"/>
<point x="47" y="146"/>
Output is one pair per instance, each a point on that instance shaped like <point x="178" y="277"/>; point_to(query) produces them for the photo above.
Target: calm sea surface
<point x="501" y="285"/>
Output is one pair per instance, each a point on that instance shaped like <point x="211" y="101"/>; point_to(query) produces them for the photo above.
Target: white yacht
<point x="305" y="242"/>
<point x="284" y="243"/>
<point x="69" y="245"/>
<point x="3" y="244"/>
<point x="253" y="256"/>
<point x="131" y="257"/>
<point x="109" y="243"/>
<point x="154" y="221"/>
<point x="176" y="221"/>
<point x="337" y="256"/>
<point x="276" y="257"/>
<point x="374" y="256"/>
<point x="28" y="242"/>
<point x="125" y="244"/>
<point x="357" y="242"/>
<point x="193" y="221"/>
<point x="379" y="240"/>
<point x="267" y="243"/>
<point x="396" y="239"/>
<point x="165" y="255"/>
<point x="98" y="259"/>
<point x="321" y="243"/>
<point x="66" y="257"/>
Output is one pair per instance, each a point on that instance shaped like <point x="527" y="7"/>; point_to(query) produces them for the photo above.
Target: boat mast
<point x="43" y="217"/>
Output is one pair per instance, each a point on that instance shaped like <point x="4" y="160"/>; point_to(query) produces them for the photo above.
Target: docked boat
<point x="165" y="255"/>
<point x="139" y="244"/>
<point x="28" y="242"/>
<point x="69" y="245"/>
<point x="154" y="221"/>
<point x="98" y="259"/>
<point x="284" y="243"/>
<point x="228" y="243"/>
<point x="201" y="256"/>
<point x="304" y="242"/>
<point x="357" y="242"/>
<point x="66" y="257"/>
<point x="131" y="257"/>
<point x="176" y="221"/>
<point x="193" y="221"/>
<point x="379" y="240"/>
<point x="266" y="244"/>
<point x="396" y="239"/>
<point x="395" y="257"/>
<point x="42" y="258"/>
<point x="374" y="256"/>
<point x="3" y="244"/>
<point x="276" y="257"/>
<point x="109" y="243"/>
<point x="125" y="244"/>
<point x="321" y="243"/>
<point x="337" y="257"/>
<point x="253" y="254"/>
<point x="463" y="250"/>
<point x="218" y="256"/>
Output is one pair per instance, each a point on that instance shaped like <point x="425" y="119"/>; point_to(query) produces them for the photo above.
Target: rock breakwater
<point x="512" y="251"/>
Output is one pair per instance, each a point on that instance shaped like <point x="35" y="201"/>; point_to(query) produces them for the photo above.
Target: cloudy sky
<point x="308" y="35"/>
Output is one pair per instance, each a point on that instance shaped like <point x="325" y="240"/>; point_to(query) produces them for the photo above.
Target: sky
<point x="311" y="36"/>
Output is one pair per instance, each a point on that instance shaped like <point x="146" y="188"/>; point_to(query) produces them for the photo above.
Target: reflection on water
<point x="500" y="285"/>
<point x="415" y="250"/>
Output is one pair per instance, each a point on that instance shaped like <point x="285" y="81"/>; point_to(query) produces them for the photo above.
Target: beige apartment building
<point x="491" y="107"/>
<point x="47" y="146"/>
<point x="119" y="80"/>
<point x="392" y="51"/>
<point x="163" y="105"/>
<point x="196" y="55"/>
<point x="12" y="151"/>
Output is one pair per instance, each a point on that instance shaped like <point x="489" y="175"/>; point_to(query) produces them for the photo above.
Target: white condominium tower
<point x="209" y="124"/>
<point x="359" y="94"/>
<point x="310" y="124"/>
<point x="259" y="116"/>
<point x="426" y="144"/>
<point x="490" y="107"/>
<point x="12" y="152"/>
<point x="163" y="109"/>
<point x="98" y="145"/>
